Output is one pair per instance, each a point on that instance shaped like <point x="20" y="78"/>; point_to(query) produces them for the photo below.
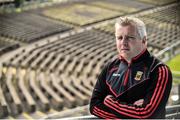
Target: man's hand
<point x="139" y="102"/>
<point x="109" y="96"/>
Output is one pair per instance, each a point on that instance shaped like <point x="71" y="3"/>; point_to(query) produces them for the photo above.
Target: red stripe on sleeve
<point x="101" y="115"/>
<point x="104" y="112"/>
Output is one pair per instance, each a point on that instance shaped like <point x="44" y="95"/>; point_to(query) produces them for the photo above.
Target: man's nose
<point x="124" y="41"/>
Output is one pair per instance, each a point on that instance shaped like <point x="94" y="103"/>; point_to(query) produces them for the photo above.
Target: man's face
<point x="128" y="42"/>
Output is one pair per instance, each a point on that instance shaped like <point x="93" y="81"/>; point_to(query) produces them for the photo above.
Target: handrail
<point x="172" y="112"/>
<point x="68" y="112"/>
<point x="172" y="109"/>
<point x="169" y="52"/>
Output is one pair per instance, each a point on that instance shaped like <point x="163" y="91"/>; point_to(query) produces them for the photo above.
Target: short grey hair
<point x="139" y="24"/>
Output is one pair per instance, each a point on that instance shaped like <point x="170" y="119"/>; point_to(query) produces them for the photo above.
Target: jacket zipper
<point x="126" y="77"/>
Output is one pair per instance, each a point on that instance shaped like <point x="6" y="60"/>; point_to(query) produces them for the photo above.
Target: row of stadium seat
<point x="77" y="46"/>
<point x="126" y="6"/>
<point x="1" y="1"/>
<point x="30" y="26"/>
<point x="27" y="27"/>
<point x="86" y="41"/>
<point x="88" y="12"/>
<point x="39" y="91"/>
<point x="7" y="45"/>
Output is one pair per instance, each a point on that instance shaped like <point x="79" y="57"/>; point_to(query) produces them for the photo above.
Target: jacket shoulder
<point x="155" y="63"/>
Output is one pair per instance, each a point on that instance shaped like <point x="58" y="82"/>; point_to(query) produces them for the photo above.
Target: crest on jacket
<point x="138" y="75"/>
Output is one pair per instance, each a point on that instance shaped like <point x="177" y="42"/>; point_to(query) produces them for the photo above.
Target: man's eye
<point x="119" y="38"/>
<point x="131" y="38"/>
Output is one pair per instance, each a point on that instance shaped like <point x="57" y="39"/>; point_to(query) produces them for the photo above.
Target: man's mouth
<point x="125" y="49"/>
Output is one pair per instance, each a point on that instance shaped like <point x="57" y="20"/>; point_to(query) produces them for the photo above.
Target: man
<point x="135" y="84"/>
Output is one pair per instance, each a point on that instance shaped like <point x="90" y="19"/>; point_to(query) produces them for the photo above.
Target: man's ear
<point x="144" y="40"/>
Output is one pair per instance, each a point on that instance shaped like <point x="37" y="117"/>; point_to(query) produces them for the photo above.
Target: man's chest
<point x="121" y="77"/>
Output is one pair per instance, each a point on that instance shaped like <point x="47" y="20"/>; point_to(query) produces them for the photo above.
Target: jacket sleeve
<point x="155" y="99"/>
<point x="97" y="106"/>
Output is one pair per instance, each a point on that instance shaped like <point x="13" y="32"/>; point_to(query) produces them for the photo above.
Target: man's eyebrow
<point x="126" y="35"/>
<point x="131" y="35"/>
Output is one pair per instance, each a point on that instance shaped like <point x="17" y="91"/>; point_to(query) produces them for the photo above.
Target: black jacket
<point x="144" y="78"/>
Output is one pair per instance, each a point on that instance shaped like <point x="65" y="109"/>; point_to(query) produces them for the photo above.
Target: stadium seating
<point x="3" y="1"/>
<point x="80" y="14"/>
<point x="7" y="45"/>
<point x="3" y="102"/>
<point x="124" y="6"/>
<point x="54" y="75"/>
<point x="27" y="27"/>
<point x="30" y="104"/>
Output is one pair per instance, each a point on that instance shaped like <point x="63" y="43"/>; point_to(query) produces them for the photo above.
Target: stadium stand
<point x="80" y="14"/>
<point x="127" y="6"/>
<point x="44" y="76"/>
<point x="7" y="45"/>
<point x="3" y="1"/>
<point x="27" y="27"/>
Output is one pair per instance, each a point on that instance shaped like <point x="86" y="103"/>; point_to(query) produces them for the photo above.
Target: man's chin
<point x="124" y="54"/>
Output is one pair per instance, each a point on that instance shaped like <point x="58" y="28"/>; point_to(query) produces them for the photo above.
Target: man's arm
<point x="97" y="106"/>
<point x="156" y="97"/>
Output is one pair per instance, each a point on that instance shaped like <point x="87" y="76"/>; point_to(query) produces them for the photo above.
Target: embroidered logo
<point x="138" y="75"/>
<point x="116" y="74"/>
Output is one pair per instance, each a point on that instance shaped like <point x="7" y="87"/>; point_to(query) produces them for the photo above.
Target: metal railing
<point x="172" y="112"/>
<point x="169" y="52"/>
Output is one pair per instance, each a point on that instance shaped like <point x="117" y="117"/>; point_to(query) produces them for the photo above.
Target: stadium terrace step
<point x="25" y="61"/>
<point x="39" y="59"/>
<point x="54" y="63"/>
<point x="7" y="45"/>
<point x="81" y="99"/>
<point x="16" y="104"/>
<point x="31" y="104"/>
<point x="86" y="82"/>
<point x="77" y="84"/>
<point x="69" y="100"/>
<point x="47" y="61"/>
<point x="43" y="101"/>
<point x="3" y="105"/>
<point x="54" y="98"/>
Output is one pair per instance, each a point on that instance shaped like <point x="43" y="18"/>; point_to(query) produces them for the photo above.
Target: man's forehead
<point x="129" y="29"/>
<point x="118" y="27"/>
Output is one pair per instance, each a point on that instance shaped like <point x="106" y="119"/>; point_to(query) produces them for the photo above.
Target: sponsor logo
<point x="116" y="74"/>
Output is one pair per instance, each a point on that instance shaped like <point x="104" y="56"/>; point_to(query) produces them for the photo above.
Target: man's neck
<point x="128" y="59"/>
